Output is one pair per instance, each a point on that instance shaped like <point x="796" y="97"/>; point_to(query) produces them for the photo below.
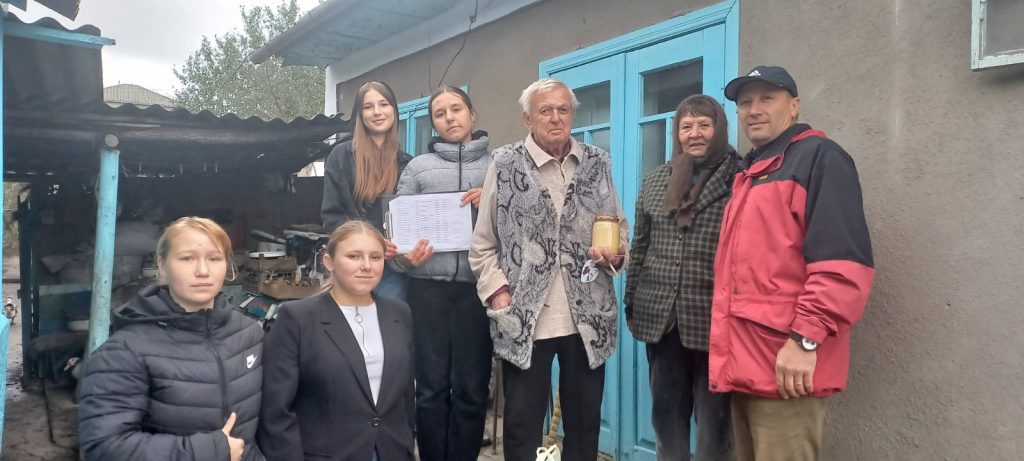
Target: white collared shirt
<point x="366" y="329"/>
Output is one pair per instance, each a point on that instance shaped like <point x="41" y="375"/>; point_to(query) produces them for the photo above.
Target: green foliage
<point x="11" y="193"/>
<point x="220" y="78"/>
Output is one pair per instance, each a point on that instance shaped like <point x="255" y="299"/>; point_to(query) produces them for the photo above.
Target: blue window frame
<point x="414" y="128"/>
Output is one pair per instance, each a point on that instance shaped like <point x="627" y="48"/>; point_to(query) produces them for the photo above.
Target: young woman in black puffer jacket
<point x="180" y="377"/>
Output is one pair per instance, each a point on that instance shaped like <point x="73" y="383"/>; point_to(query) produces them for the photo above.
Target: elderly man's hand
<point x="501" y="301"/>
<point x="603" y="257"/>
<point x="794" y="370"/>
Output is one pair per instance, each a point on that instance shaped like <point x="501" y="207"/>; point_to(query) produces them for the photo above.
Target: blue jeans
<point x="392" y="285"/>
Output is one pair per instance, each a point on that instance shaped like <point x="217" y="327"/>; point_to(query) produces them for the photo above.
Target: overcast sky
<point x="153" y="36"/>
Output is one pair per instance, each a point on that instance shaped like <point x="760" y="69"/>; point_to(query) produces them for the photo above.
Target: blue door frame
<point x="710" y="35"/>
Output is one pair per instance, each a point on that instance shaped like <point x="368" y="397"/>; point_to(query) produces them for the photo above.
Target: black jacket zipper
<point x="458" y="258"/>
<point x="461" y="147"/>
<point x="220" y="368"/>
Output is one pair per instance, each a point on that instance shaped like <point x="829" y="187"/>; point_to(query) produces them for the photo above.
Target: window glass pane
<point x="579" y="137"/>
<point x="653" y="145"/>
<point x="402" y="134"/>
<point x="602" y="139"/>
<point x="665" y="88"/>
<point x="423" y="133"/>
<point x="595" y="105"/>
<point x="1004" y="26"/>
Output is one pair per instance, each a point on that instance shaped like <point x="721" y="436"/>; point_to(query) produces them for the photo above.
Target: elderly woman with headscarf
<point x="670" y="281"/>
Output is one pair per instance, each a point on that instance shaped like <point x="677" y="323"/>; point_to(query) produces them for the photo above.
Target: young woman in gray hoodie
<point x="450" y="325"/>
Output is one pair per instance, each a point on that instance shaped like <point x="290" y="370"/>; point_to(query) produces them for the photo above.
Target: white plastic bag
<point x="549" y="453"/>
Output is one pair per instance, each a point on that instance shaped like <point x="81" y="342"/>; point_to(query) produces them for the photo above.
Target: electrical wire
<point x="465" y="38"/>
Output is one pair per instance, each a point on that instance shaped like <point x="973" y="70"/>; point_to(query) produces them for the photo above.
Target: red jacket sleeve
<point x="837" y="247"/>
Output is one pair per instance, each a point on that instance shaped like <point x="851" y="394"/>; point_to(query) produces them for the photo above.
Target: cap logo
<point x="755" y="73"/>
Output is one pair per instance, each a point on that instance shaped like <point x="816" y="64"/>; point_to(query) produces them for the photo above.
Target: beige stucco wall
<point x="501" y="58"/>
<point x="938" y="360"/>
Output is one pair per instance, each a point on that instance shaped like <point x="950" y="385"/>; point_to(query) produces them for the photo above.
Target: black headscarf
<point x="683" y="191"/>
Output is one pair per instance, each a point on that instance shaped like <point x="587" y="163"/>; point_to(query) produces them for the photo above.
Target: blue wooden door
<point x="628" y="102"/>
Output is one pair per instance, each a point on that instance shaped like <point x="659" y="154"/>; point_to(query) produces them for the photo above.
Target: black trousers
<point x="526" y="401"/>
<point x="453" y="368"/>
<point x="679" y="389"/>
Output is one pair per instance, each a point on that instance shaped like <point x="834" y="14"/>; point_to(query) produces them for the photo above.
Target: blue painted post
<point x="103" y="262"/>
<point x="5" y="329"/>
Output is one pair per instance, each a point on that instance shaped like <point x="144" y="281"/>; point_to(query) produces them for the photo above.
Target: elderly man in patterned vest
<point x="549" y="292"/>
<point x="671" y="280"/>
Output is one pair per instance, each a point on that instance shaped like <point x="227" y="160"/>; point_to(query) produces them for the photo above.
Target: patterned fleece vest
<point x="533" y="240"/>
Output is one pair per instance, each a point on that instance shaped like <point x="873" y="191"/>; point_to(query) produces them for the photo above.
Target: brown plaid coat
<point x="670" y="266"/>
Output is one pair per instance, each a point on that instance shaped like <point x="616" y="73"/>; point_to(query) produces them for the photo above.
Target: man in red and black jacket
<point x="792" y="274"/>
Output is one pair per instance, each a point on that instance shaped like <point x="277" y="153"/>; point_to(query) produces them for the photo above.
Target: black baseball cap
<point x="774" y="75"/>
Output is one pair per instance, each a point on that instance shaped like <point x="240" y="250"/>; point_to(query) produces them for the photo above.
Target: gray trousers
<point x="679" y="390"/>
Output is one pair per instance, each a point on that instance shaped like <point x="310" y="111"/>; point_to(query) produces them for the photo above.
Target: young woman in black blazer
<point x="338" y="367"/>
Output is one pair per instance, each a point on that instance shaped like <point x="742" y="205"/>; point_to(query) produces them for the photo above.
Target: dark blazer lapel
<point x="394" y="352"/>
<point x="339" y="332"/>
<point x="718" y="186"/>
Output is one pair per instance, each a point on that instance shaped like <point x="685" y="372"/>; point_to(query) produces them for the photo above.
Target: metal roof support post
<point x="103" y="262"/>
<point x="5" y="325"/>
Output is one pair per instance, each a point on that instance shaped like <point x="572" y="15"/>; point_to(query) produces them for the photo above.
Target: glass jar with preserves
<point x="606" y="233"/>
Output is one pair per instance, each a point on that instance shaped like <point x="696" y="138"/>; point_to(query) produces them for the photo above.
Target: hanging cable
<point x="472" y="20"/>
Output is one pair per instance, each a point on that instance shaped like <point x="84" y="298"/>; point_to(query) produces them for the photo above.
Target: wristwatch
<point x="806" y="344"/>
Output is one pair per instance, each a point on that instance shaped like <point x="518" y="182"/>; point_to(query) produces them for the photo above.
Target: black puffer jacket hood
<point x="163" y="385"/>
<point x="154" y="305"/>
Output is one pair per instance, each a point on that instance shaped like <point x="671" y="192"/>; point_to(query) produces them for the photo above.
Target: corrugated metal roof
<point x="158" y="139"/>
<point x="66" y="8"/>
<point x="54" y="117"/>
<point x="39" y="73"/>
